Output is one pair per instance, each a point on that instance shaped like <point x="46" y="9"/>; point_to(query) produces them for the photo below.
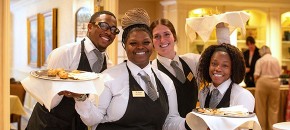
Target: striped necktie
<point x="214" y="98"/>
<point x="99" y="63"/>
<point x="150" y="88"/>
<point x="179" y="74"/>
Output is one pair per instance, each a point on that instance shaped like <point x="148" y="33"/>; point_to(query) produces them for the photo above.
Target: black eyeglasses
<point x="105" y="26"/>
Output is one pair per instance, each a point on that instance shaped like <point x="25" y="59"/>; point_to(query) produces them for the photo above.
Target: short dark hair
<point x="97" y="14"/>
<point x="166" y="23"/>
<point x="250" y="39"/>
<point x="237" y="62"/>
<point x="135" y="27"/>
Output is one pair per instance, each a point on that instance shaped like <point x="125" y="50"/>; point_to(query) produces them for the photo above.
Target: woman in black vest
<point x="128" y="101"/>
<point x="221" y="69"/>
<point x="183" y="77"/>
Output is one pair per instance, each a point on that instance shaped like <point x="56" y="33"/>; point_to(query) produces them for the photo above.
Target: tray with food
<point x="64" y="75"/>
<point x="223" y="112"/>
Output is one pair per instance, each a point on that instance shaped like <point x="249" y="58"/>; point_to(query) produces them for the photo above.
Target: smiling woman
<point x="133" y="85"/>
<point x="137" y="37"/>
<point x="139" y="48"/>
<point x="222" y="68"/>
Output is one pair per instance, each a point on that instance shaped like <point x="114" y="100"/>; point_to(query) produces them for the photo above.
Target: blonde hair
<point x="264" y="50"/>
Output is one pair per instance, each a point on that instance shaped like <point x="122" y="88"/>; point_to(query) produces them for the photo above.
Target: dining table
<point x="16" y="106"/>
<point x="284" y="90"/>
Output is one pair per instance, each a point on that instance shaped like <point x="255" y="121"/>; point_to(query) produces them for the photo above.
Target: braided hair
<point x="135" y="19"/>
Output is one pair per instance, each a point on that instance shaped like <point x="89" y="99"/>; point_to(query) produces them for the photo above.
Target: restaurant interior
<point x="269" y="24"/>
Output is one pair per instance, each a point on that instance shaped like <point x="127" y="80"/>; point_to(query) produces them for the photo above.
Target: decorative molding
<point x="22" y="3"/>
<point x="167" y="3"/>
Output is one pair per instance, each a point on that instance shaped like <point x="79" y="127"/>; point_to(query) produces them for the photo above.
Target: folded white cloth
<point x="198" y="121"/>
<point x="44" y="90"/>
<point x="204" y="26"/>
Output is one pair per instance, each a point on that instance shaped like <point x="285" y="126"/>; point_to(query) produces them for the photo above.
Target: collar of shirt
<point x="166" y="62"/>
<point x="222" y="87"/>
<point x="136" y="69"/>
<point x="89" y="47"/>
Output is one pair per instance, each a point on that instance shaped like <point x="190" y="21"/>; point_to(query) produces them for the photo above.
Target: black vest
<point x="225" y="102"/>
<point x="142" y="113"/>
<point x="187" y="92"/>
<point x="64" y="115"/>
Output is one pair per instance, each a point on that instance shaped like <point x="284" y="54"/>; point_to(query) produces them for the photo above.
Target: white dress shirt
<point x="239" y="95"/>
<point x="191" y="60"/>
<point x="113" y="100"/>
<point x="268" y="66"/>
<point x="68" y="57"/>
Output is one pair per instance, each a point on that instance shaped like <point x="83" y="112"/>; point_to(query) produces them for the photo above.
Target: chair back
<point x="18" y="90"/>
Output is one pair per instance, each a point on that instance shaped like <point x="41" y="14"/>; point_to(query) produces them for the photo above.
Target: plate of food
<point x="64" y="75"/>
<point x="223" y="113"/>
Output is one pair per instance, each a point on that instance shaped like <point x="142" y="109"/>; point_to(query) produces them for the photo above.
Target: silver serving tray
<point x="249" y="114"/>
<point x="42" y="74"/>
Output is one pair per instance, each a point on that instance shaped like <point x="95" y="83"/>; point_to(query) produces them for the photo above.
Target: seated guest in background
<point x="183" y="77"/>
<point x="221" y="68"/>
<point x="251" y="56"/>
<point x="267" y="93"/>
<point x="136" y="96"/>
<point x="81" y="56"/>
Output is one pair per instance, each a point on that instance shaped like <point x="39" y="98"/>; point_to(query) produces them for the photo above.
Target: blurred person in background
<point x="267" y="93"/>
<point x="251" y="56"/>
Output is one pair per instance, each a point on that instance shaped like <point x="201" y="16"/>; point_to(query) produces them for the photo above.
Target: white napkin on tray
<point x="198" y="121"/>
<point x="44" y="90"/>
<point x="204" y="26"/>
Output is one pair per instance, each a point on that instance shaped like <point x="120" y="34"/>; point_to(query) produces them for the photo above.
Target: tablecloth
<point x="16" y="106"/>
<point x="282" y="126"/>
<point x="284" y="99"/>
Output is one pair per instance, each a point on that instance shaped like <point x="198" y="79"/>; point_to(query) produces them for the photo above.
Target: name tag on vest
<point x="138" y="93"/>
<point x="190" y="76"/>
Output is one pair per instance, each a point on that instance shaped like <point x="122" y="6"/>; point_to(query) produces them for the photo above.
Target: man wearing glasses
<point x="89" y="55"/>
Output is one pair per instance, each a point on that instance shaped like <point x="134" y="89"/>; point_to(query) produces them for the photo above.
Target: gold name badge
<point x="190" y="76"/>
<point x="138" y="93"/>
